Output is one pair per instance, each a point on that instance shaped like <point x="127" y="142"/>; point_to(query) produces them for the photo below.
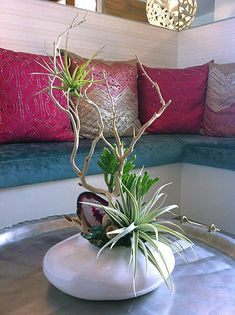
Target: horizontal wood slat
<point x="202" y="44"/>
<point x="33" y="25"/>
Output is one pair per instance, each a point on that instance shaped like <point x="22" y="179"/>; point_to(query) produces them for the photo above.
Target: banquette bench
<point x="30" y="163"/>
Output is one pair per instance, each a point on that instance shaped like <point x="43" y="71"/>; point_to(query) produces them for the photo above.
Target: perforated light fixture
<point x="172" y="14"/>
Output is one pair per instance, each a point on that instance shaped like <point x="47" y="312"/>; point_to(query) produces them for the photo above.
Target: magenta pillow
<point x="187" y="90"/>
<point x="26" y="116"/>
<point x="219" y="115"/>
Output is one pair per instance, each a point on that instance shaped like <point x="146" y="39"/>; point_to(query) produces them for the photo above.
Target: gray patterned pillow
<point x="219" y="115"/>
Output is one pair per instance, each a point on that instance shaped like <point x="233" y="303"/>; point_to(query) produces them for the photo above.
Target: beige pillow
<point x="122" y="79"/>
<point x="219" y="115"/>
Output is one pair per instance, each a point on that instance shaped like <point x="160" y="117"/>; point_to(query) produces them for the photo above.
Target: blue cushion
<point x="209" y="151"/>
<point x="29" y="163"/>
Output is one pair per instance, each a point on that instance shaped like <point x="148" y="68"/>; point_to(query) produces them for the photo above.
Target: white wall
<point x="33" y="25"/>
<point x="224" y="9"/>
<point x="31" y="202"/>
<point x="202" y="44"/>
<point x="208" y="195"/>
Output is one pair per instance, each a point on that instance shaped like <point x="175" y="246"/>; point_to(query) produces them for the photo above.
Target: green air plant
<point x="70" y="82"/>
<point x="137" y="224"/>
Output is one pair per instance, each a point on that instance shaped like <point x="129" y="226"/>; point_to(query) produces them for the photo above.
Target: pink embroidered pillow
<point x="26" y="116"/>
<point x="122" y="79"/>
<point x="187" y="90"/>
<point x="219" y="116"/>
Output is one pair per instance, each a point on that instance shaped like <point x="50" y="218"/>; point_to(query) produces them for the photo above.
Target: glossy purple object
<point x="92" y="214"/>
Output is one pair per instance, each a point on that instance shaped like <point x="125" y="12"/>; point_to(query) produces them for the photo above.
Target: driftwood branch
<point x="72" y="111"/>
<point x="101" y="123"/>
<point x="115" y="131"/>
<point x="154" y="85"/>
<point x="75" y="121"/>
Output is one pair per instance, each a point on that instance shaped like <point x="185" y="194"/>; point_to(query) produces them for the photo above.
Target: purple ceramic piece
<point x="92" y="214"/>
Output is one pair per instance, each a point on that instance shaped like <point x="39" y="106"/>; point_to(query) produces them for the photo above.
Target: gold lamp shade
<point x="172" y="14"/>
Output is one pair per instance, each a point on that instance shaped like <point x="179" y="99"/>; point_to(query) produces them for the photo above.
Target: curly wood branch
<point x="85" y="169"/>
<point x="87" y="98"/>
<point x="156" y="115"/>
<point x="142" y="130"/>
<point x="74" y="121"/>
<point x="154" y="85"/>
<point x="72" y="112"/>
<point x="76" y="125"/>
<point x="57" y="43"/>
<point x="115" y="131"/>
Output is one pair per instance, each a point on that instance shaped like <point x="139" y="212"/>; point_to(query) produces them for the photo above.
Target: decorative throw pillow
<point x="26" y="115"/>
<point x="219" y="116"/>
<point x="187" y="90"/>
<point x="122" y="80"/>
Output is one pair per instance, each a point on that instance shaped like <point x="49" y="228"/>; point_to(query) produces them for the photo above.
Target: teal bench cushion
<point x="29" y="163"/>
<point x="209" y="151"/>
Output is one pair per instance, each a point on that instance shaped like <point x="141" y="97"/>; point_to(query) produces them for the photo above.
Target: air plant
<point x="135" y="223"/>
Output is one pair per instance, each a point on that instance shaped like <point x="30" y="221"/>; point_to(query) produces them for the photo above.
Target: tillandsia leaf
<point x="167" y="269"/>
<point x="66" y="65"/>
<point x="61" y="71"/>
<point x="117" y="237"/>
<point x="137" y="226"/>
<point x="174" y="245"/>
<point x="155" y="213"/>
<point x="152" y="214"/>
<point x="115" y="215"/>
<point x="162" y="196"/>
<point x="132" y="205"/>
<point x="134" y="250"/>
<point x="158" y="267"/>
<point x="143" y="250"/>
<point x="123" y="232"/>
<point x="148" y="227"/>
<point x="164" y="229"/>
<point x="153" y="200"/>
<point x="166" y="222"/>
<point x="153" y="260"/>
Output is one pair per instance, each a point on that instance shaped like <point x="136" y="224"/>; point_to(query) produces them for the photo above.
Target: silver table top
<point x="202" y="287"/>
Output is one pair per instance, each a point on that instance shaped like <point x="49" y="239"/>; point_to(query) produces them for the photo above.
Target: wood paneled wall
<point x="202" y="44"/>
<point x="129" y="9"/>
<point x="33" y="25"/>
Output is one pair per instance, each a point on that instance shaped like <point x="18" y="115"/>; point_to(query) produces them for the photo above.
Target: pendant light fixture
<point x="172" y="14"/>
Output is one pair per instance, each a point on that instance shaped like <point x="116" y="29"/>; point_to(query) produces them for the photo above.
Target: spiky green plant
<point x="137" y="225"/>
<point x="71" y="82"/>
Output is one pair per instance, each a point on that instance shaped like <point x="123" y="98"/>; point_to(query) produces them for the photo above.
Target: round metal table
<point x="205" y="286"/>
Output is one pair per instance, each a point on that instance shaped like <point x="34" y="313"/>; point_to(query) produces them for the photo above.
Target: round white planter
<point x="72" y="267"/>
